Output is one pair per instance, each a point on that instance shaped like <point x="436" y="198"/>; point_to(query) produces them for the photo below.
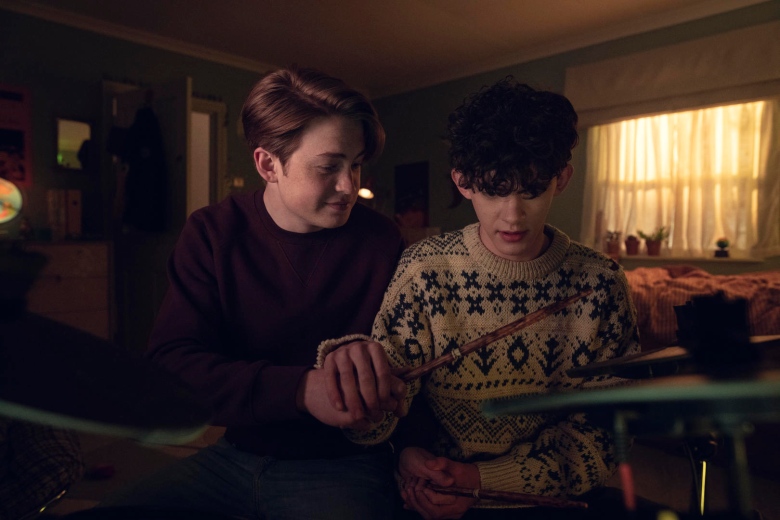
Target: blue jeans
<point x="223" y="479"/>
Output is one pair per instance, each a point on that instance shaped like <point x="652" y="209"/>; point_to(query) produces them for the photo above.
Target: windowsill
<point x="711" y="264"/>
<point x="684" y="259"/>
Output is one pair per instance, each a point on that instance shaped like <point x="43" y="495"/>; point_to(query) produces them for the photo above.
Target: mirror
<point x="74" y="139"/>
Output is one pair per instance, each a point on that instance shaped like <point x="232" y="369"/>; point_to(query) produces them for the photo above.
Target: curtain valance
<point x="737" y="65"/>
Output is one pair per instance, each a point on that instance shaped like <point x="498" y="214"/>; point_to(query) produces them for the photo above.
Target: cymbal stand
<point x="700" y="450"/>
<point x="622" y="443"/>
<point x="739" y="475"/>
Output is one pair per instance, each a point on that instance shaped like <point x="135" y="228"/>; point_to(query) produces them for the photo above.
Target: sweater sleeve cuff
<point x="329" y="345"/>
<point x="501" y="474"/>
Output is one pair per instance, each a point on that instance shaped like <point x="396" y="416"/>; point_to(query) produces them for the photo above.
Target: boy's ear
<point x="563" y="179"/>
<point x="456" y="175"/>
<point x="266" y="164"/>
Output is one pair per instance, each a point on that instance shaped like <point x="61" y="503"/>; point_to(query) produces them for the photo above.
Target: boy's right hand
<point x="354" y="388"/>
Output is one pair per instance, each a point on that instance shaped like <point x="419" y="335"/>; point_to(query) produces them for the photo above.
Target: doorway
<point x="207" y="173"/>
<point x="141" y="255"/>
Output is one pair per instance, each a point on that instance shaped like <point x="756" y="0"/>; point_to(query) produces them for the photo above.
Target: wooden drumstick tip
<point x="509" y="497"/>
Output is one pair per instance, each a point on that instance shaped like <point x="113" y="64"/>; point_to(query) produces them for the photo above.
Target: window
<point x="704" y="174"/>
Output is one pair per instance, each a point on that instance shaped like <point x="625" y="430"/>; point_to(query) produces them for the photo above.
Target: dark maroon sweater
<point x="247" y="306"/>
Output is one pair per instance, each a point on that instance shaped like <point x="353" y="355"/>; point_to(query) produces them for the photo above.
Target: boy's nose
<point x="514" y="209"/>
<point x="347" y="182"/>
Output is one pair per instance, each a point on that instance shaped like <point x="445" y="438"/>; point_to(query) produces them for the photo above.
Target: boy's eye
<point x="357" y="166"/>
<point x="329" y="168"/>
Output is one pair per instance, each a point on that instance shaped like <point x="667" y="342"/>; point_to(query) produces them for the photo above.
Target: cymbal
<point x="687" y="402"/>
<point x="668" y="361"/>
<point x="53" y="374"/>
<point x="635" y="366"/>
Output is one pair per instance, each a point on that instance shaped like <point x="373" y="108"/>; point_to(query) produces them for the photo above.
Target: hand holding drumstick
<point x="420" y="472"/>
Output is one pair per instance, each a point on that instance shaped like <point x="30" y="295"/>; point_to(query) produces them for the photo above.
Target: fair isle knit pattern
<point x="449" y="290"/>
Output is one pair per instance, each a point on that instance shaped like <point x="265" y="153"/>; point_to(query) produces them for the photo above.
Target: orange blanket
<point x="656" y="290"/>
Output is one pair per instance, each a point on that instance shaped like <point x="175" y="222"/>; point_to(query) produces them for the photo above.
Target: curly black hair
<point x="509" y="138"/>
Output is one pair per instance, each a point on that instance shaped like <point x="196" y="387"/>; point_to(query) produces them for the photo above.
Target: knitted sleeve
<point x="566" y="459"/>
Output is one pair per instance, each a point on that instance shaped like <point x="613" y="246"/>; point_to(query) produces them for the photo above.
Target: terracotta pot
<point x="653" y="247"/>
<point x="632" y="247"/>
<point x="613" y="248"/>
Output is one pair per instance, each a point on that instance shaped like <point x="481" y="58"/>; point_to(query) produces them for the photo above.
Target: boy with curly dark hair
<point x="510" y="147"/>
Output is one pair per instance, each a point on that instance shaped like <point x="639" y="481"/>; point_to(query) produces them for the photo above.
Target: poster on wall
<point x="15" y="147"/>
<point x="411" y="195"/>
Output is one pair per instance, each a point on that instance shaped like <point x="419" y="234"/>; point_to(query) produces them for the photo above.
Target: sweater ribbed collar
<point x="282" y="234"/>
<point x="539" y="267"/>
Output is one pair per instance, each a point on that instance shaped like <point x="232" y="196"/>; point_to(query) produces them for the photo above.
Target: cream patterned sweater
<point x="449" y="290"/>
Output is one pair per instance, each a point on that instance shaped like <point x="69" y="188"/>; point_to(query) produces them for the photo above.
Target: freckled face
<point x="512" y="227"/>
<point x="317" y="188"/>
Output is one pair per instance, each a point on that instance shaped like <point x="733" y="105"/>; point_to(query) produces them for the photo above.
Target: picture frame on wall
<point x="15" y="135"/>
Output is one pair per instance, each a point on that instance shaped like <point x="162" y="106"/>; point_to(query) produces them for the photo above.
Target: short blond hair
<point x="284" y="102"/>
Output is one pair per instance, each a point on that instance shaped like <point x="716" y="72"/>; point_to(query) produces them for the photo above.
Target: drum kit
<point x="55" y="375"/>
<point x="717" y="384"/>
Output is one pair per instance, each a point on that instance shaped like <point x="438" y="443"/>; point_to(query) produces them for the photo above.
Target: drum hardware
<point x="675" y="406"/>
<point x="55" y="375"/>
<point x="700" y="450"/>
<point x="670" y="361"/>
<point x="713" y="335"/>
<point x="715" y="330"/>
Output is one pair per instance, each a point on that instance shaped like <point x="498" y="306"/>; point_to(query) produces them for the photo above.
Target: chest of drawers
<point x="75" y="286"/>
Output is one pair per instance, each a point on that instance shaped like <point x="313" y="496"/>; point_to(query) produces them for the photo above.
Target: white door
<point x="208" y="182"/>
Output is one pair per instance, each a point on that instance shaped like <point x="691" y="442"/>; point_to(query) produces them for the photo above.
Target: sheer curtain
<point x="703" y="173"/>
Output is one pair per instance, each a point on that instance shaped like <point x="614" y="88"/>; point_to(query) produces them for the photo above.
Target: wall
<point x="416" y="121"/>
<point x="63" y="67"/>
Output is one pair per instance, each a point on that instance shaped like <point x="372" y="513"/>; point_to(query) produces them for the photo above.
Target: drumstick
<point x="508" y="496"/>
<point x="501" y="332"/>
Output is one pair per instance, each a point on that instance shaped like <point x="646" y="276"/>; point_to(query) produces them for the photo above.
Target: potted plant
<point x="632" y="245"/>
<point x="722" y="251"/>
<point x="653" y="240"/>
<point x="613" y="243"/>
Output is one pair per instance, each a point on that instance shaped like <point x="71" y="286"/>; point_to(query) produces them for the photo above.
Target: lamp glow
<point x="365" y="193"/>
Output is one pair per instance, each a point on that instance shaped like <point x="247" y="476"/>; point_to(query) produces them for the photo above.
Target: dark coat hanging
<point x="146" y="184"/>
